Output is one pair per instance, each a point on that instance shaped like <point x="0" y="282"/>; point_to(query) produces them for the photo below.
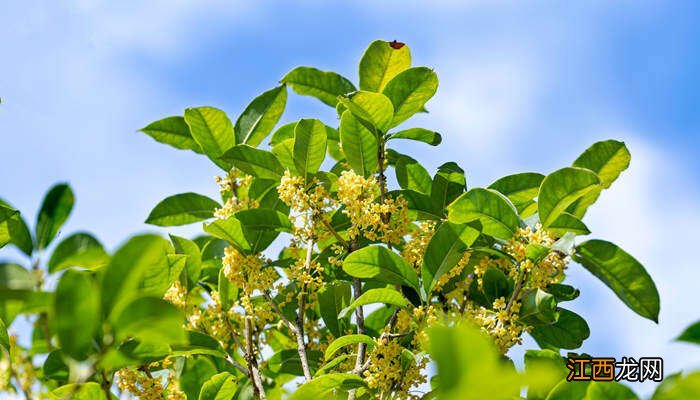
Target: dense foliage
<point x="314" y="282"/>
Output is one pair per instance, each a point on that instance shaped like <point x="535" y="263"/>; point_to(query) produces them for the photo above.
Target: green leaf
<point x="16" y="227"/>
<point x="261" y="226"/>
<point x="230" y="230"/>
<point x="536" y="252"/>
<point x="212" y="130"/>
<point x="158" y="278"/>
<point x="609" y="390"/>
<point x="568" y="332"/>
<point x="537" y="361"/>
<point x="621" y="273"/>
<point x="193" y="263"/>
<point x="420" y="134"/>
<point x="332" y="298"/>
<point x="448" y="183"/>
<point x="563" y="292"/>
<point x="359" y="145"/>
<point x="261" y="115"/>
<point x="4" y="337"/>
<point x="538" y="308"/>
<point x="196" y="372"/>
<point x="309" y="146"/>
<point x="15" y="277"/>
<point x="182" y="209"/>
<point x="381" y="63"/>
<point x="55" y="367"/>
<point x="79" y="250"/>
<point x="373" y="110"/>
<point x="221" y="386"/>
<point x="7" y="214"/>
<point x="691" y="334"/>
<point x="284" y="132"/>
<point x="79" y="391"/>
<point x="419" y="203"/>
<point x="381" y="264"/>
<point x="151" y="320"/>
<point x="284" y="151"/>
<point x="323" y="85"/>
<point x="561" y="188"/>
<point x="323" y="386"/>
<point x="519" y="188"/>
<point x="566" y="222"/>
<point x="566" y="390"/>
<point x="77" y="313"/>
<point x="256" y="162"/>
<point x="496" y="285"/>
<point x="411" y="175"/>
<point x="445" y="249"/>
<point x="607" y="159"/>
<point x="409" y="91"/>
<point x="287" y="361"/>
<point x="53" y="213"/>
<point x="497" y="217"/>
<point x="373" y="296"/>
<point x="676" y="387"/>
<point x="125" y="271"/>
<point x="172" y="131"/>
<point x="347" y="340"/>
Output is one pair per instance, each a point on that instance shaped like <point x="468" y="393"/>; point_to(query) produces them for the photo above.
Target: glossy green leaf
<point x="412" y="175"/>
<point x="537" y="361"/>
<point x="679" y="387"/>
<point x="562" y="292"/>
<point x="77" y="313"/>
<point x="409" y="91"/>
<point x="373" y="110"/>
<point x="445" y="249"/>
<point x="538" y="308"/>
<point x="78" y="250"/>
<point x="53" y="213"/>
<point x="359" y="145"/>
<point x="158" y="278"/>
<point x="212" y="130"/>
<point x="419" y="203"/>
<point x="14" y="276"/>
<point x="347" y="340"/>
<point x="566" y="222"/>
<point x="174" y="132"/>
<point x="261" y="226"/>
<point x="561" y="188"/>
<point x="332" y="298"/>
<point x="607" y="159"/>
<point x="221" y="386"/>
<point x="323" y="85"/>
<point x="195" y="373"/>
<point x="230" y="230"/>
<point x="519" y="188"/>
<point x="381" y="264"/>
<point x="55" y="367"/>
<point x="621" y="273"/>
<point x="310" y="139"/>
<point x="256" y="162"/>
<point x="4" y="337"/>
<point x="193" y="263"/>
<point x="79" y="391"/>
<point x="284" y="151"/>
<point x="182" y="209"/>
<point x="381" y="63"/>
<point x="151" y="320"/>
<point x="287" y="361"/>
<point x="16" y="228"/>
<point x="125" y="271"/>
<point x="497" y="217"/>
<point x="568" y="332"/>
<point x="323" y="386"/>
<point x="565" y="390"/>
<point x="496" y="285"/>
<point x="373" y="296"/>
<point x="419" y="134"/>
<point x="691" y="334"/>
<point x="260" y="116"/>
<point x="284" y="132"/>
<point x="449" y="183"/>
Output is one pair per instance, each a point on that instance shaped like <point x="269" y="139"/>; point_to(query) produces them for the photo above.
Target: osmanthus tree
<point x="311" y="282"/>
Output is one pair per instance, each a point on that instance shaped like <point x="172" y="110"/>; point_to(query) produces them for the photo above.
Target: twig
<point x="252" y="362"/>
<point x="301" y="344"/>
<point x="335" y="233"/>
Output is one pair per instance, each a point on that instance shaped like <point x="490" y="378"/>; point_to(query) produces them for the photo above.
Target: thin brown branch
<point x="251" y="360"/>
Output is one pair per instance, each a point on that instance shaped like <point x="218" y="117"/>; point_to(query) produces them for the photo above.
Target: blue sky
<point x="523" y="86"/>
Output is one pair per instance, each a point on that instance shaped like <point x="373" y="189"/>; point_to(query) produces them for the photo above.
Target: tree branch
<point x="254" y="371"/>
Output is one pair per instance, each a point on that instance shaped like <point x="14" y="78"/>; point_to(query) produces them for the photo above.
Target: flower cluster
<point x="19" y="366"/>
<point x="417" y="242"/>
<point x="501" y="322"/>
<point x="308" y="205"/>
<point x="177" y="294"/>
<point x="386" y="221"/>
<point x="392" y="369"/>
<point x="143" y="385"/>
<point x="234" y="203"/>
